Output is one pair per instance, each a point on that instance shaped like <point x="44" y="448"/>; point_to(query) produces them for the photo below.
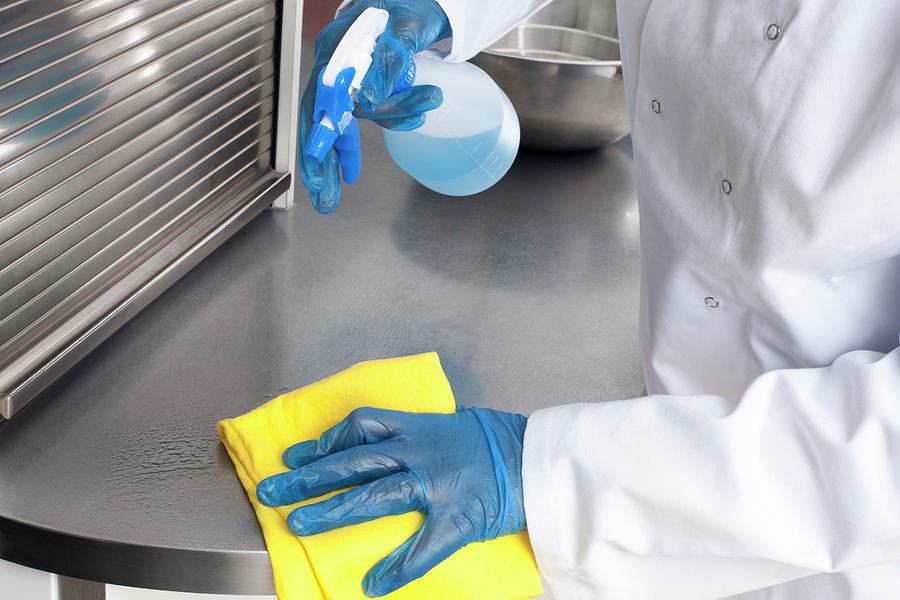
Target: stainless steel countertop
<point x="529" y="292"/>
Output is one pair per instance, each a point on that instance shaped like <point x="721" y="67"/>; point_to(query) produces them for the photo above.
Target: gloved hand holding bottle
<point x="413" y="26"/>
<point x="463" y="470"/>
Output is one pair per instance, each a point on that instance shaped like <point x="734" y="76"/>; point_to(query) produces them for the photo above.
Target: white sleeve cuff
<point x="545" y="497"/>
<point x="456" y="14"/>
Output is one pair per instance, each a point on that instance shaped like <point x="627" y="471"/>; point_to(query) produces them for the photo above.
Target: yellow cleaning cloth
<point x="331" y="566"/>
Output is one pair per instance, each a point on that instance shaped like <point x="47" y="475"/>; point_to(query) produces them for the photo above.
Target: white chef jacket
<point x="765" y="464"/>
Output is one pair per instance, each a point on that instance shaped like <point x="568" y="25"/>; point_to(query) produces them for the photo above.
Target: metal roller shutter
<point x="135" y="136"/>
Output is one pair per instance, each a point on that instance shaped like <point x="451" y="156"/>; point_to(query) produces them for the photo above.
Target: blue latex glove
<point x="414" y="25"/>
<point x="463" y="470"/>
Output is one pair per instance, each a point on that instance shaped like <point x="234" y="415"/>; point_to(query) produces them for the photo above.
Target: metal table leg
<point x="79" y="589"/>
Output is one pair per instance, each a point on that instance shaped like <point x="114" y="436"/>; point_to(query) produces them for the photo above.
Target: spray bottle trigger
<point x="349" y="148"/>
<point x="332" y="113"/>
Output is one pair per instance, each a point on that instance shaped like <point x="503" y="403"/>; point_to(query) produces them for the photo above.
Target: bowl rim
<point x="507" y="53"/>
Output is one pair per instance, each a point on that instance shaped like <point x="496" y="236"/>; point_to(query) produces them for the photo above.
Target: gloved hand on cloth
<point x="463" y="470"/>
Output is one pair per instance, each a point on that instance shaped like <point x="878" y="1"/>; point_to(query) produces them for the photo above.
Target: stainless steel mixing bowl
<point x="562" y="71"/>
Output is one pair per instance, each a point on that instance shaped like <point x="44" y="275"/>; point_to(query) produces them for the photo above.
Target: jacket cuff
<point x="543" y="503"/>
<point x="456" y="14"/>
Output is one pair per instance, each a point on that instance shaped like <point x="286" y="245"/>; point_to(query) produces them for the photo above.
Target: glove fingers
<point x="408" y="103"/>
<point x="355" y="466"/>
<point x="394" y="495"/>
<point x="327" y="199"/>
<point x="360" y="427"/>
<point x="312" y="173"/>
<point x="389" y="62"/>
<point x="402" y="124"/>
<point x="436" y="541"/>
<point x="322" y="180"/>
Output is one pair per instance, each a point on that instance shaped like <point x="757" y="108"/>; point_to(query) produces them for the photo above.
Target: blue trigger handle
<point x="350" y="152"/>
<point x="337" y="103"/>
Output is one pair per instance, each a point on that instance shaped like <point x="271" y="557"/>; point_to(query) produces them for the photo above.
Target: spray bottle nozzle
<point x="321" y="139"/>
<point x="334" y="124"/>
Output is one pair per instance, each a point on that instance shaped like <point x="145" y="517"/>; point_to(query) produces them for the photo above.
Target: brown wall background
<point x="317" y="14"/>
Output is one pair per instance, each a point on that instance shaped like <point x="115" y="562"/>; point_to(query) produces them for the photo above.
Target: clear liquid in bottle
<point x="469" y="142"/>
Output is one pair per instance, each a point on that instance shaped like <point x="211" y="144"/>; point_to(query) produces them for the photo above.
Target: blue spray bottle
<point x="465" y="146"/>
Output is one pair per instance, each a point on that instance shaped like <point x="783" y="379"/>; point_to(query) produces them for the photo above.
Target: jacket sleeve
<point x="477" y="24"/>
<point x="702" y="497"/>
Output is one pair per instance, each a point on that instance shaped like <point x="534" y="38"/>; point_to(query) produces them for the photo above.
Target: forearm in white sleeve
<point x="701" y="497"/>
<point x="477" y="24"/>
